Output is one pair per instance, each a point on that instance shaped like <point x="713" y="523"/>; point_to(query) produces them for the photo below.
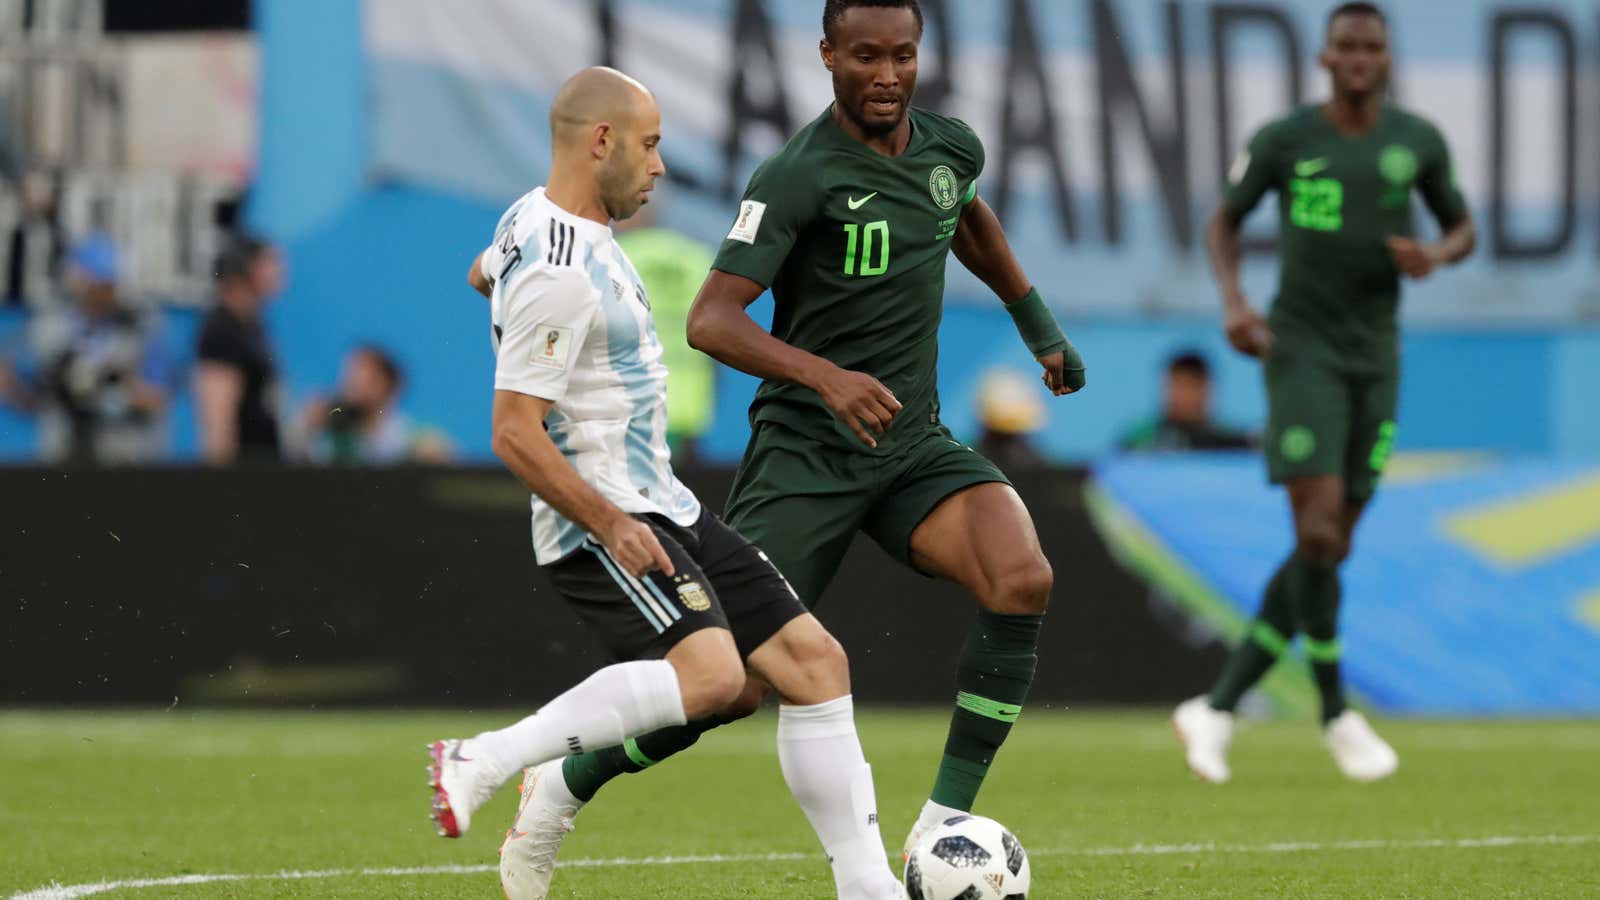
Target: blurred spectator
<point x="363" y="424"/>
<point x="672" y="268"/>
<point x="1185" y="420"/>
<point x="96" y="374"/>
<point x="10" y="143"/>
<point x="1011" y="411"/>
<point x="236" y="379"/>
<point x="31" y="230"/>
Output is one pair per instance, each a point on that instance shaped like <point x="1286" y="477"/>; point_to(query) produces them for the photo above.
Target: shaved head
<point x="597" y="96"/>
<point x="605" y="129"/>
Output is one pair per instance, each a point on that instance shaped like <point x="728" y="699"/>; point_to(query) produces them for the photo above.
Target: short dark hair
<point x="1191" y="362"/>
<point x="1357" y="9"/>
<point x="833" y="11"/>
<point x="236" y="258"/>
<point x="386" y="363"/>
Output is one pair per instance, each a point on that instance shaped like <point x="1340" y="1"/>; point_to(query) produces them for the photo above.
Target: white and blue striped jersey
<point x="572" y="325"/>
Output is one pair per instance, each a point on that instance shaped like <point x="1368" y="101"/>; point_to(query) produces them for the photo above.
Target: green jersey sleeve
<point x="1253" y="173"/>
<point x="979" y="158"/>
<point x="778" y="204"/>
<point x="1436" y="181"/>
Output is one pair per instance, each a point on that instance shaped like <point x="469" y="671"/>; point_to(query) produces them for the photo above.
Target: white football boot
<point x="1360" y="754"/>
<point x="544" y="817"/>
<point x="462" y="780"/>
<point x="1206" y="734"/>
<point x="932" y="816"/>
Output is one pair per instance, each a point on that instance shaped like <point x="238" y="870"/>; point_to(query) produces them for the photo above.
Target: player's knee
<point x="811" y="666"/>
<point x="1321" y="540"/>
<point x="819" y="654"/>
<point x="1344" y="550"/>
<point x="711" y="685"/>
<point x="1023" y="589"/>
<point x="746" y="704"/>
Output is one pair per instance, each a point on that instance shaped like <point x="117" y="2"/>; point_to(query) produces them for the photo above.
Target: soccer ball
<point x="968" y="858"/>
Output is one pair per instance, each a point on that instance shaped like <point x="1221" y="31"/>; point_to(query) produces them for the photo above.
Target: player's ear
<point x="826" y="49"/>
<point x="600" y="140"/>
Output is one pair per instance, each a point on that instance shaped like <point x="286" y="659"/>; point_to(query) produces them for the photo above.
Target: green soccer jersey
<point x="853" y="244"/>
<point x="1339" y="197"/>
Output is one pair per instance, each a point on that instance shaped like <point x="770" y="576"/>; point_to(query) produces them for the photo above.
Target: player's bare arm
<point x="523" y="445"/>
<point x="1247" y="329"/>
<point x="980" y="243"/>
<point x="721" y="327"/>
<point x="476" y="278"/>
<point x="1418" y="260"/>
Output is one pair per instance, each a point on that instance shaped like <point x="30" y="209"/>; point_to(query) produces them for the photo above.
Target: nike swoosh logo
<point x="1306" y="168"/>
<point x="857" y="204"/>
<point x="455" y="754"/>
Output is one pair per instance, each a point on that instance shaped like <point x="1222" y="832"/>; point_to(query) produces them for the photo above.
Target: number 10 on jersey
<point x="873" y="243"/>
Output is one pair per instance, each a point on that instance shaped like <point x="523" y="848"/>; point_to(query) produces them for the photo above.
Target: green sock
<point x="587" y="773"/>
<point x="992" y="682"/>
<point x="1319" y="619"/>
<point x="1267" y="639"/>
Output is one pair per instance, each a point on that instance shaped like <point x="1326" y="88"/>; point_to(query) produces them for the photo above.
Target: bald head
<point x="597" y="96"/>
<point x="605" y="128"/>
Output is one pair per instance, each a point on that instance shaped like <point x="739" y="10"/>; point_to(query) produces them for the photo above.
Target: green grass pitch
<point x="1101" y="800"/>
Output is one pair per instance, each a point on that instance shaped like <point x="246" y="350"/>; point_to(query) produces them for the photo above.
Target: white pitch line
<point x="71" y="892"/>
<point x="1531" y="840"/>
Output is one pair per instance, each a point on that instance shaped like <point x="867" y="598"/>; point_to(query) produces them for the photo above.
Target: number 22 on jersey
<point x="1316" y="203"/>
<point x="872" y="244"/>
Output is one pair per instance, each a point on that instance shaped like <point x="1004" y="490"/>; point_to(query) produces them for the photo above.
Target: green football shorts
<point x="1326" y="420"/>
<point x="802" y="502"/>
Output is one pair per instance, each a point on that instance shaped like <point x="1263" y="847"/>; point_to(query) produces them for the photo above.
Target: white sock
<point x="605" y="709"/>
<point x="826" y="771"/>
<point x="560" y="794"/>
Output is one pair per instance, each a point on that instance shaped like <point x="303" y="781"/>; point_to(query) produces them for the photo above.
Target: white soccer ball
<point x="968" y="858"/>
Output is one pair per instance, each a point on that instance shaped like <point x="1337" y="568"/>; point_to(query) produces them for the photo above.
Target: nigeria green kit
<point x="853" y="244"/>
<point x="1333" y="374"/>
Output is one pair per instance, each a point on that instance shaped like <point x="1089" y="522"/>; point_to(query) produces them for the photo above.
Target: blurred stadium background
<point x="376" y="556"/>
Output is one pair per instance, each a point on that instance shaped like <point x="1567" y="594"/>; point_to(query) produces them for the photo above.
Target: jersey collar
<point x="845" y="139"/>
<point x="587" y="227"/>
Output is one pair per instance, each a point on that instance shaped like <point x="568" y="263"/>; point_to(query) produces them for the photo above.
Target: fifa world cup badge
<point x="552" y="346"/>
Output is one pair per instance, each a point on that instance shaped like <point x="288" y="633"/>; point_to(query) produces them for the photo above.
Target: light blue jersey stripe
<point x="624" y="340"/>
<point x="647" y="426"/>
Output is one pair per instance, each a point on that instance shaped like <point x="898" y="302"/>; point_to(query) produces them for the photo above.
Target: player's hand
<point x="1411" y="257"/>
<point x="1063" y="371"/>
<point x="1247" y="331"/>
<point x="860" y="401"/>
<point x="634" y="546"/>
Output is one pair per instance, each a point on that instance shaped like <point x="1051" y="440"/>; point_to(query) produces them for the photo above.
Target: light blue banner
<point x="1474" y="588"/>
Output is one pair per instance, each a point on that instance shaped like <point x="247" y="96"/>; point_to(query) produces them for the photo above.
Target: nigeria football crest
<point x="1398" y="164"/>
<point x="942" y="185"/>
<point x="1297" y="444"/>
